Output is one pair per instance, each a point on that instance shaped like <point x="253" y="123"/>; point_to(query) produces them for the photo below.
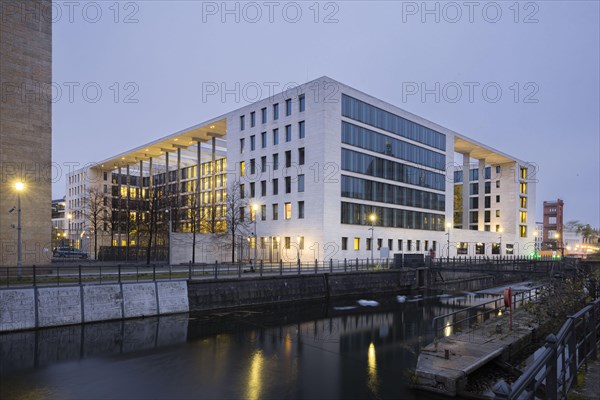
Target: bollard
<point x="316" y="267"/>
<point x="330" y="265"/>
<point x="357" y="263"/>
<point x="280" y="267"/>
<point x="345" y="265"/>
<point x="216" y="269"/>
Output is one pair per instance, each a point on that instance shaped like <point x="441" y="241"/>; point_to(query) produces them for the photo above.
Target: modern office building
<point x="324" y="171"/>
<point x="553" y="225"/>
<point x="25" y="131"/>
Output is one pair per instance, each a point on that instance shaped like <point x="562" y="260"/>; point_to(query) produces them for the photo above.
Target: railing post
<point x="119" y="272"/>
<point x="190" y="272"/>
<point x="317" y="266"/>
<point x="299" y="266"/>
<point x="593" y="337"/>
<point x="280" y="267"/>
<point x="330" y="265"/>
<point x="216" y="269"/>
<point x="261" y="268"/>
<point x="551" y="378"/>
<point x="501" y="390"/>
<point x="357" y="263"/>
<point x="154" y="272"/>
<point x="345" y="265"/>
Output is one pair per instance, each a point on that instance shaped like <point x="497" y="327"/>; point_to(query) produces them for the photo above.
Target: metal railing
<point x="470" y="317"/>
<point x="70" y="274"/>
<point x="555" y="370"/>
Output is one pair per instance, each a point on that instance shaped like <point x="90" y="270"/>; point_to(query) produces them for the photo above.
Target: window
<point x="497" y="184"/>
<point x="497" y="169"/>
<point x="344" y="243"/>
<point x="409" y="245"/>
<point x="242" y="122"/>
<point x="369" y="244"/>
<point x="497" y="228"/>
<point x="263" y="211"/>
<point x="487" y="216"/>
<point x="275" y="161"/>
<point x="495" y="248"/>
<point x="426" y="245"/>
<point x="263" y="139"/>
<point x="105" y="174"/>
<point x="390" y="244"/>
<point x="301" y="130"/>
<point x="252" y="143"/>
<point x="418" y="245"/>
<point x="263" y="188"/>
<point x="488" y="188"/>
<point x="497" y="213"/>
<point x="399" y="244"/>
<point x="242" y="168"/>
<point x="288" y="133"/>
<point x="301" y="103"/>
<point x="288" y="107"/>
<point x="242" y="143"/>
<point x="252" y="166"/>
<point x="462" y="248"/>
<point x="301" y="242"/>
<point x="300" y="210"/>
<point x="486" y="228"/>
<point x="288" y="184"/>
<point x="288" y="159"/>
<point x="523" y="217"/>
<point x="275" y="111"/>
<point x="263" y="113"/>
<point x="288" y="242"/>
<point x="479" y="248"/>
<point x="275" y="187"/>
<point x="523" y="201"/>
<point x="497" y="198"/>
<point x="474" y="217"/>
<point x="301" y="156"/>
<point x="473" y="202"/>
<point x="523" y="231"/>
<point x="379" y="244"/>
<point x="288" y="210"/>
<point x="523" y="187"/>
<point x="474" y="188"/>
<point x="275" y="136"/>
<point x="242" y="214"/>
<point x="252" y="119"/>
<point x="356" y="243"/>
<point x="275" y="212"/>
<point x="252" y="191"/>
<point x="552" y="220"/>
<point x="301" y="183"/>
<point x="523" y="173"/>
<point x="263" y="164"/>
<point x="242" y="191"/>
<point x="487" y="201"/>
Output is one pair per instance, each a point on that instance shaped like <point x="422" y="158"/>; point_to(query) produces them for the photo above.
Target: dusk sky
<point x="152" y="59"/>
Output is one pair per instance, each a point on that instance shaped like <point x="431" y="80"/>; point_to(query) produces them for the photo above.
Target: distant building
<point x="539" y="235"/>
<point x="59" y="223"/>
<point x="25" y="129"/>
<point x="553" y="225"/>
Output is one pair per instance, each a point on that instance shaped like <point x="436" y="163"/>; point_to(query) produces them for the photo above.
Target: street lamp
<point x="562" y="249"/>
<point x="500" y="231"/>
<point x="69" y="218"/>
<point x="19" y="186"/>
<point x="535" y="243"/>
<point x="169" y="211"/>
<point x="448" y="226"/>
<point x="372" y="218"/>
<point x="255" y="208"/>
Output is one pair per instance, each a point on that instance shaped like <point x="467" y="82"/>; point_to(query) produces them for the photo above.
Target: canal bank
<point x="39" y="307"/>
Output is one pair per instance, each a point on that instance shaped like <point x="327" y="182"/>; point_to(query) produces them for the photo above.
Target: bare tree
<point x="235" y="218"/>
<point x="97" y="214"/>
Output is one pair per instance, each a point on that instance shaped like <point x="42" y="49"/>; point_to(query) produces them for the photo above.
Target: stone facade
<point x="25" y="128"/>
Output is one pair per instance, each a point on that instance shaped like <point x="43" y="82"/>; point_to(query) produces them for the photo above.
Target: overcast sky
<point x="520" y="77"/>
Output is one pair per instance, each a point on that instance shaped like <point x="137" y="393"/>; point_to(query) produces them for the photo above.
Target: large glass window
<point x="263" y="113"/>
<point x="288" y="133"/>
<point x="301" y="132"/>
<point x="300" y="210"/>
<point x="252" y="119"/>
<point x="301" y="156"/>
<point x="358" y="214"/>
<point x="275" y="187"/>
<point x="275" y="136"/>
<point x="263" y="139"/>
<point x="371" y="140"/>
<point x="242" y="122"/>
<point x="301" y="183"/>
<point x="288" y="107"/>
<point x="252" y="143"/>
<point x="288" y="184"/>
<point x="301" y="103"/>
<point x="263" y="212"/>
<point x="276" y="111"/>
<point x="275" y="212"/>
<point x="371" y="115"/>
<point x="288" y="210"/>
<point x="363" y="189"/>
<point x="275" y="161"/>
<point x="288" y="158"/>
<point x="381" y="168"/>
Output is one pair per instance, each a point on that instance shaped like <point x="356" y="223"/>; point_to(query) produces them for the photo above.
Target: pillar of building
<point x="481" y="197"/>
<point x="178" y="193"/>
<point x="465" y="190"/>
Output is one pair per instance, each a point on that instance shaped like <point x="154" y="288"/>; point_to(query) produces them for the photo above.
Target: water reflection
<point x="372" y="382"/>
<point x="255" y="375"/>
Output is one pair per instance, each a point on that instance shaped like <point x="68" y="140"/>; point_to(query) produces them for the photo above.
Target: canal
<point x="344" y="349"/>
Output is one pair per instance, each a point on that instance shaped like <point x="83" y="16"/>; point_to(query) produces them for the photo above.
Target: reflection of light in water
<point x="255" y="376"/>
<point x="373" y="381"/>
<point x="447" y="329"/>
<point x="287" y="344"/>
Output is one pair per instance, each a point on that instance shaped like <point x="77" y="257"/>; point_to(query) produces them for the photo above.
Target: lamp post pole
<point x="19" y="187"/>
<point x="372" y="217"/>
<point x="170" y="210"/>
<point x="255" y="208"/>
<point x="500" y="237"/>
<point x="448" y="225"/>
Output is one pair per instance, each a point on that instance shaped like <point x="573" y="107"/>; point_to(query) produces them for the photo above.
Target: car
<point x="68" y="252"/>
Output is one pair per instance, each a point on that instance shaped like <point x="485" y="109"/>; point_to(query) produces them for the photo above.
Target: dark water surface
<point x="339" y="350"/>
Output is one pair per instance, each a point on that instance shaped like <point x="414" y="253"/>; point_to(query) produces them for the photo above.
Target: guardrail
<point x="444" y="325"/>
<point x="555" y="369"/>
<point x="54" y="275"/>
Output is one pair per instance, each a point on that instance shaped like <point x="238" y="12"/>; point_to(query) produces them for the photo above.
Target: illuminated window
<point x="288" y="242"/>
<point x="523" y="173"/>
<point x="356" y="243"/>
<point x="301" y="242"/>
<point x="523" y="217"/>
<point x="242" y="168"/>
<point x="275" y="212"/>
<point x="523" y="201"/>
<point x="523" y="187"/>
<point x="523" y="230"/>
<point x="288" y="211"/>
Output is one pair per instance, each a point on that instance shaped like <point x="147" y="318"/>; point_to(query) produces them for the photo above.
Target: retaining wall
<point x="42" y="307"/>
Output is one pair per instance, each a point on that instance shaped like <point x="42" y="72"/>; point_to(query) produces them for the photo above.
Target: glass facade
<point x="371" y="115"/>
<point x="370" y="140"/>
<point x="358" y="214"/>
<point x="363" y="189"/>
<point x="381" y="168"/>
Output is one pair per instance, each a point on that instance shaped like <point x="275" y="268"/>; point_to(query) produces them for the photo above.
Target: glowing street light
<point x="19" y="187"/>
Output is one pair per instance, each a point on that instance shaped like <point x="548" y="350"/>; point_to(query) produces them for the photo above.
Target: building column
<point x="481" y="181"/>
<point x="213" y="179"/>
<point x="139" y="209"/>
<point x="178" y="191"/>
<point x="128" y="181"/>
<point x="465" y="190"/>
